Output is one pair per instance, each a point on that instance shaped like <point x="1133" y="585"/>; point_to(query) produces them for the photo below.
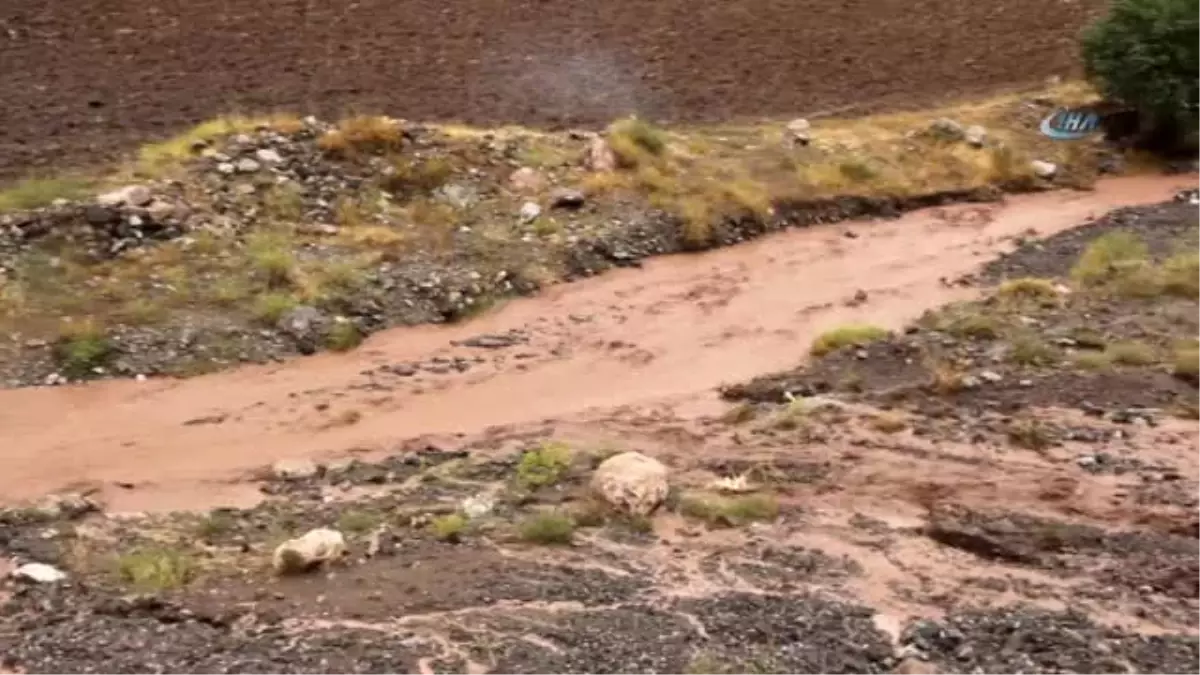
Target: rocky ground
<point x="252" y="240"/>
<point x="94" y="81"/>
<point x="1009" y="485"/>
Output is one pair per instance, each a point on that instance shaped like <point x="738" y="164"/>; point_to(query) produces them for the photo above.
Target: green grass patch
<point x="547" y="527"/>
<point x="1028" y="289"/>
<point x="358" y="522"/>
<point x="1131" y="353"/>
<point x="853" y="335"/>
<point x="544" y="465"/>
<point x="1185" y="361"/>
<point x="1092" y="360"/>
<point x="156" y="569"/>
<point x="33" y="193"/>
<point x="1109" y="256"/>
<point x="1027" y="349"/>
<point x="1181" y="275"/>
<point x="81" y="349"/>
<point x="269" y="308"/>
<point x="633" y="140"/>
<point x="719" y="511"/>
<point x="449" y="527"/>
<point x="343" y="336"/>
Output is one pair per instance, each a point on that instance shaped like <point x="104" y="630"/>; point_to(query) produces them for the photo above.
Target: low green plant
<point x="548" y="527"/>
<point x="544" y="465"/>
<point x="156" y="569"/>
<point x="850" y="335"/>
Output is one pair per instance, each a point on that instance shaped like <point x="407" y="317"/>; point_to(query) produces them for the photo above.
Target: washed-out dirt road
<point x="659" y="338"/>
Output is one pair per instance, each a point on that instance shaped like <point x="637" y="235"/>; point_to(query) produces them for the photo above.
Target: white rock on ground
<point x="799" y="131"/>
<point x="600" y="156"/>
<point x="40" y="573"/>
<point x="631" y="482"/>
<point x="478" y="506"/>
<point x="1043" y="169"/>
<point x="130" y="195"/>
<point x="295" y="469"/>
<point x="530" y="211"/>
<point x="976" y="136"/>
<point x="310" y="551"/>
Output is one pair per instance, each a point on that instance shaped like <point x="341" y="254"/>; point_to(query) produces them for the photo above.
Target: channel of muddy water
<point x="661" y="336"/>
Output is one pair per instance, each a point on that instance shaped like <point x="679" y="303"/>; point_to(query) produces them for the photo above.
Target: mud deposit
<point x="935" y="500"/>
<point x="86" y="82"/>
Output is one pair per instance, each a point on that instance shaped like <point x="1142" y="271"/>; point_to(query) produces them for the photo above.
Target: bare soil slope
<point x="83" y="80"/>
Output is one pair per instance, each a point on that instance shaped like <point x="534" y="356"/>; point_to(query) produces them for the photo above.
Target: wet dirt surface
<point x="908" y="534"/>
<point x="86" y="82"/>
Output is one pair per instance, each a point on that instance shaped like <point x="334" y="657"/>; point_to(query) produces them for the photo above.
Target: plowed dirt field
<point x="83" y="81"/>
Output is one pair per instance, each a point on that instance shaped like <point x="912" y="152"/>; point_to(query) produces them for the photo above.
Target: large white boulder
<point x="310" y="551"/>
<point x="631" y="482"/>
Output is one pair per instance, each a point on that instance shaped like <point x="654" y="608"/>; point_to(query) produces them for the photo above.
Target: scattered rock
<point x="1043" y="169"/>
<point x="130" y="195"/>
<point x="478" y="506"/>
<point x="530" y="211"/>
<point x="268" y="156"/>
<point x="526" y="179"/>
<point x="303" y="322"/>
<point x="40" y="573"/>
<point x="799" y="131"/>
<point x="295" y="469"/>
<point x="632" y="482"/>
<point x="975" y="136"/>
<point x="946" y="129"/>
<point x="566" y="198"/>
<point x="247" y="165"/>
<point x="306" y="553"/>
<point x="600" y="156"/>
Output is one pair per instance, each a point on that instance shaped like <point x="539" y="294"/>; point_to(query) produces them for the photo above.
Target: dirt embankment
<point x="83" y="82"/>
<point x="1008" y="485"/>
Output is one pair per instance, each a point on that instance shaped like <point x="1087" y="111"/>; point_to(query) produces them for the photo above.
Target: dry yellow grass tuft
<point x="363" y="134"/>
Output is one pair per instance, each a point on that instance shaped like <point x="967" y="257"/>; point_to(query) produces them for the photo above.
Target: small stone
<point x="225" y="168"/>
<point x="40" y="573"/>
<point x="975" y="136"/>
<point x="799" y="131"/>
<point x="530" y="211"/>
<point x="478" y="506"/>
<point x="566" y="198"/>
<point x="600" y="156"/>
<point x="268" y="156"/>
<point x="946" y="129"/>
<point x="1086" y="461"/>
<point x="160" y="211"/>
<point x="247" y="165"/>
<point x="130" y="195"/>
<point x="526" y="179"/>
<point x="1043" y="169"/>
<point x="100" y="215"/>
<point x="991" y="376"/>
<point x="295" y="469"/>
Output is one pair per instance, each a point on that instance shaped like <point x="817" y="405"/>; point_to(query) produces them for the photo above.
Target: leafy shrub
<point x="1144" y="53"/>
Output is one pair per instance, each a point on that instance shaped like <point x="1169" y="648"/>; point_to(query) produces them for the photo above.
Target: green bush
<point x="1144" y="53"/>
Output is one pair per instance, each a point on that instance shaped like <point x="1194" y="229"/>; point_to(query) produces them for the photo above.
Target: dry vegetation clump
<point x="363" y="134"/>
<point x="851" y="335"/>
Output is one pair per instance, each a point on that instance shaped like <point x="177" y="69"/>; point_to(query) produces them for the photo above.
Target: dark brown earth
<point x="82" y="81"/>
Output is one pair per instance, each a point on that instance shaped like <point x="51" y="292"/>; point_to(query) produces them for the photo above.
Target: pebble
<point x="1043" y="169"/>
<point x="247" y="165"/>
<point x="530" y="211"/>
<point x="268" y="156"/>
